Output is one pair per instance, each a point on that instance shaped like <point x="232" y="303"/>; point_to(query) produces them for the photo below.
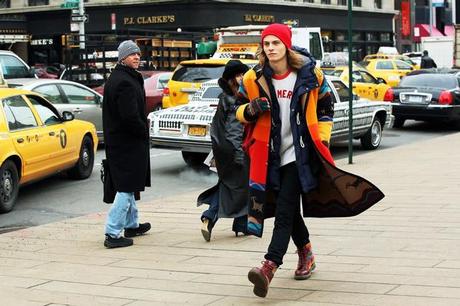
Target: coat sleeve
<point x="325" y="112"/>
<point x="128" y="110"/>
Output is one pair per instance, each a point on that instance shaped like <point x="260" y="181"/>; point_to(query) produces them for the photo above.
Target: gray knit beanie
<point x="126" y="48"/>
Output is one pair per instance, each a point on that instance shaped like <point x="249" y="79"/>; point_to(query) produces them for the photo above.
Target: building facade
<point x="41" y="24"/>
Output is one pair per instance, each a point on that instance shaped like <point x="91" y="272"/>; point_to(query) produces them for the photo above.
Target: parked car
<point x="390" y="70"/>
<point x="188" y="76"/>
<point x="428" y="95"/>
<point x="38" y="141"/>
<point x="187" y="127"/>
<point x="83" y="102"/>
<point x="154" y="86"/>
<point x="365" y="84"/>
<point x="402" y="57"/>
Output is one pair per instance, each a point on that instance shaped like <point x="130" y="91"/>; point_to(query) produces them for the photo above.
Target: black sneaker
<point x="142" y="229"/>
<point x="121" y="242"/>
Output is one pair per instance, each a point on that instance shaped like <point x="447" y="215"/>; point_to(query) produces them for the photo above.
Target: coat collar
<point x="132" y="72"/>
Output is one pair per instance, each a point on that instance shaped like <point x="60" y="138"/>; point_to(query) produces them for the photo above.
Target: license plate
<point x="415" y="99"/>
<point x="197" y="130"/>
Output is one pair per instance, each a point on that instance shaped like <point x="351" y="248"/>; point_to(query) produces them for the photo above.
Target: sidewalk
<point x="403" y="251"/>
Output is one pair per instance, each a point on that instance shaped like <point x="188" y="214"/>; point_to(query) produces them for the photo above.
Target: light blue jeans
<point x="123" y="214"/>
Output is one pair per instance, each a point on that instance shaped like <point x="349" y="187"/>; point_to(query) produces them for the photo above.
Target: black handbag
<point x="109" y="191"/>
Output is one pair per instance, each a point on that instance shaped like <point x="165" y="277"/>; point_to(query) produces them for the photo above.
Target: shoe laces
<point x="267" y="267"/>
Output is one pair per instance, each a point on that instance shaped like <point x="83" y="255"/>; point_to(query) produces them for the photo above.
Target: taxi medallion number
<point x="197" y="130"/>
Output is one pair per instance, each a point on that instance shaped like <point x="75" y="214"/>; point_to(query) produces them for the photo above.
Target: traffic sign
<point x="80" y="18"/>
<point x="70" y="4"/>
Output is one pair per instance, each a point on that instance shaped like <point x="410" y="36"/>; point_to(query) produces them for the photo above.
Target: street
<point x="58" y="198"/>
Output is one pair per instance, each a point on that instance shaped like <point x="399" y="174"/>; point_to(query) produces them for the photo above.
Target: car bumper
<point x="427" y="112"/>
<point x="200" y="146"/>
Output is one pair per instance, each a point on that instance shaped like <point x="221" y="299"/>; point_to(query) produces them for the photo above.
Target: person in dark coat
<point x="126" y="145"/>
<point x="229" y="197"/>
<point x="427" y="61"/>
<point x="289" y="118"/>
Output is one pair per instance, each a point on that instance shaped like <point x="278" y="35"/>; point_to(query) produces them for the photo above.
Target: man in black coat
<point x="427" y="61"/>
<point x="126" y="139"/>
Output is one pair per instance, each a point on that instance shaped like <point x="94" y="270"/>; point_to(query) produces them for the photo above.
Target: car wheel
<point x="371" y="140"/>
<point x="84" y="166"/>
<point x="9" y="186"/>
<point x="399" y="122"/>
<point x="194" y="159"/>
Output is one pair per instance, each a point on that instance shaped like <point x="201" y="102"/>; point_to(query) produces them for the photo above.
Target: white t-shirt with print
<point x="284" y="87"/>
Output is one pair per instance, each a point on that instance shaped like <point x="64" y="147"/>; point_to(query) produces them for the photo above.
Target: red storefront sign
<point x="405" y="18"/>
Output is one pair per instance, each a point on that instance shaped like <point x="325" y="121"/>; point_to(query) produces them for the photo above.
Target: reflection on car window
<point x="384" y="65"/>
<point x="198" y="73"/>
<point x="12" y="67"/>
<point x="429" y="80"/>
<point x="212" y="93"/>
<point x="18" y="113"/>
<point x="402" y="65"/>
<point x="342" y="90"/>
<point x="47" y="115"/>
<point x="367" y="77"/>
<point x="78" y="95"/>
<point x="357" y="77"/>
<point x="163" y="80"/>
<point x="50" y="92"/>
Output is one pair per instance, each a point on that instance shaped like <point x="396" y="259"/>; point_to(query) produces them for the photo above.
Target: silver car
<point x="83" y="102"/>
<point x="186" y="127"/>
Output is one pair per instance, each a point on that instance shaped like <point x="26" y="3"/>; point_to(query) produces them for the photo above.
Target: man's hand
<point x="257" y="106"/>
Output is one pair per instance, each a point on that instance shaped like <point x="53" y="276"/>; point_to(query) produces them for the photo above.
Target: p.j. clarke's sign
<point x="149" y="19"/>
<point x="164" y="19"/>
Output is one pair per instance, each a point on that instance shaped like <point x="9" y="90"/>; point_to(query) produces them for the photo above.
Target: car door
<point x="83" y="103"/>
<point x="359" y="87"/>
<point x="340" y="95"/>
<point x="62" y="150"/>
<point x="29" y="139"/>
<point x="375" y="89"/>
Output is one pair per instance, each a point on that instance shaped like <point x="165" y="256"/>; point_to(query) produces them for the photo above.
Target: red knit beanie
<point x="282" y="31"/>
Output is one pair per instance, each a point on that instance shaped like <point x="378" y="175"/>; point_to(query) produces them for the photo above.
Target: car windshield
<point x="429" y="80"/>
<point x="198" y="73"/>
<point x="13" y="68"/>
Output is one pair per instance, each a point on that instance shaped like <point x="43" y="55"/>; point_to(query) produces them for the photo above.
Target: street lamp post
<point x="350" y="83"/>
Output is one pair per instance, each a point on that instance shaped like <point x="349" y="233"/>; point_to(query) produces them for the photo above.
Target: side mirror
<point x="67" y="116"/>
<point x="381" y="81"/>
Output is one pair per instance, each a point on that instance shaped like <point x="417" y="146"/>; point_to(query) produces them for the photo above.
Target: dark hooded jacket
<point x="231" y="161"/>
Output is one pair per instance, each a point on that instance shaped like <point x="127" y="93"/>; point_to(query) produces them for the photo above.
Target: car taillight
<point x="389" y="95"/>
<point x="445" y="97"/>
<point x="166" y="91"/>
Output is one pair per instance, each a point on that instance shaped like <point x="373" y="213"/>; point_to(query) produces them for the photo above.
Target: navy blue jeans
<point x="288" y="219"/>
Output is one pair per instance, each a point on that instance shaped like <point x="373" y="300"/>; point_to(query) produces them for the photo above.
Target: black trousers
<point x="288" y="220"/>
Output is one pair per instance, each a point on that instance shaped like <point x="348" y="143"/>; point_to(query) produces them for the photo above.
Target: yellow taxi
<point x="400" y="57"/>
<point x="365" y="84"/>
<point x="188" y="76"/>
<point x="36" y="141"/>
<point x="388" y="69"/>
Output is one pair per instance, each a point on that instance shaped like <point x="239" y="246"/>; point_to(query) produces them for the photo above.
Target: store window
<point x="371" y="36"/>
<point x="308" y="1"/>
<point x="357" y="3"/>
<point x="38" y="2"/>
<point x="341" y="2"/>
<point x="325" y="1"/>
<point x="5" y="3"/>
<point x="378" y="4"/>
<point x="385" y="36"/>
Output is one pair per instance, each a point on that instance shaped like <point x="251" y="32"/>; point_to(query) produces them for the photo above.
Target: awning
<point x="424" y="31"/>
